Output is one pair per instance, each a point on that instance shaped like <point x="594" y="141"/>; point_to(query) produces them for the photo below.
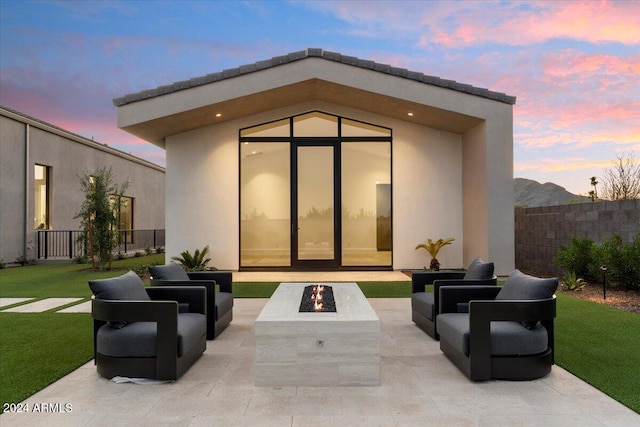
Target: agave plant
<point x="195" y="262"/>
<point x="571" y="282"/>
<point x="433" y="248"/>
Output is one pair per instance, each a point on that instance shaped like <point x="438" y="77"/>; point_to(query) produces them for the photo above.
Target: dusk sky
<point x="573" y="66"/>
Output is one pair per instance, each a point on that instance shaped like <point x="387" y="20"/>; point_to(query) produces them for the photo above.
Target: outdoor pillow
<point x="171" y="271"/>
<point x="479" y="270"/>
<point x="520" y="286"/>
<point x="125" y="287"/>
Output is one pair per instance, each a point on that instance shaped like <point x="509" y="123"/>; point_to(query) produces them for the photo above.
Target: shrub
<point x="622" y="261"/>
<point x="2" y="264"/>
<point x="583" y="259"/>
<point x="138" y="254"/>
<point x="120" y="256"/>
<point x="81" y="259"/>
<point x="148" y="250"/>
<point x="142" y="269"/>
<point x="159" y="250"/>
<point x="23" y="260"/>
<point x="580" y="258"/>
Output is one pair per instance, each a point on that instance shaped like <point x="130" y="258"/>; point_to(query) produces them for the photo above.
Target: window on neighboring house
<point x="124" y="213"/>
<point x="41" y="217"/>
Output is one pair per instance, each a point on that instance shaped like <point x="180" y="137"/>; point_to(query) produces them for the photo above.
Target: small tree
<point x="594" y="193"/>
<point x="97" y="217"/>
<point x="622" y="181"/>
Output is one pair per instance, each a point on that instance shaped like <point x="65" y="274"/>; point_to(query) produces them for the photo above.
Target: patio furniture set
<point x="487" y="331"/>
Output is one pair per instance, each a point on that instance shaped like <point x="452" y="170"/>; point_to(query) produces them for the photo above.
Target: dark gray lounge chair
<point x="142" y="333"/>
<point x="425" y="306"/>
<point x="219" y="301"/>
<point x="507" y="332"/>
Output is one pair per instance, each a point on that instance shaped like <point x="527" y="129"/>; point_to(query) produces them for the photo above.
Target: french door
<point x="315" y="193"/>
<point x="315" y="207"/>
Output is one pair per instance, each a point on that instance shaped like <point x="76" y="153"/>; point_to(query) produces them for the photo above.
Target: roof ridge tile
<point x="314" y="53"/>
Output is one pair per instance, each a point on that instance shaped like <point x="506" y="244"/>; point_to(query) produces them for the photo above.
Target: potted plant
<point x="195" y="262"/>
<point x="433" y="248"/>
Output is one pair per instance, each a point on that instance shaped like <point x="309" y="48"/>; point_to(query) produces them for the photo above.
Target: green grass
<point x="600" y="345"/>
<point x="37" y="349"/>
<point x="597" y="343"/>
<point x="369" y="289"/>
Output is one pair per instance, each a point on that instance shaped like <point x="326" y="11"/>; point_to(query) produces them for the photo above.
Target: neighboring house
<point x="40" y="166"/>
<point x="316" y="160"/>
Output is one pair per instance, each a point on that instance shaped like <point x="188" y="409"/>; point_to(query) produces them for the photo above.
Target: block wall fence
<point x="539" y="232"/>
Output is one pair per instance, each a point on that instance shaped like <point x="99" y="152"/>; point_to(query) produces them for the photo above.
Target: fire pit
<point x="317" y="299"/>
<point x="339" y="348"/>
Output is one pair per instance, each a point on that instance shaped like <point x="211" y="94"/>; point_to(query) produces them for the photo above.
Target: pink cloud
<point x="558" y="165"/>
<point x="525" y="23"/>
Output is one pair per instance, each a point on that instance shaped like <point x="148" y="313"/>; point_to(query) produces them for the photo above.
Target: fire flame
<point x="316" y="297"/>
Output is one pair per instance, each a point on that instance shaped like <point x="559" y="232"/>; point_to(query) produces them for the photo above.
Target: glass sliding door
<point x="315" y="204"/>
<point x="366" y="203"/>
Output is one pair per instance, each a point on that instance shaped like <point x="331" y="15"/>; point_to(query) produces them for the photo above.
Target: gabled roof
<point x="314" y="53"/>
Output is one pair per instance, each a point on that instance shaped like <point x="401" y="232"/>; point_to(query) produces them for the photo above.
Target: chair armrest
<point x="134" y="311"/>
<point x="437" y="284"/>
<point x="451" y="296"/>
<point x="165" y="313"/>
<point x="195" y="296"/>
<point x="224" y="279"/>
<point x="419" y="278"/>
<point x="482" y="313"/>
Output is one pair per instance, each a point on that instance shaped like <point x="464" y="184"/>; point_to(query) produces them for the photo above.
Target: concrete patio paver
<point x="5" y="302"/>
<point x="42" y="305"/>
<point x="420" y="387"/>
<point x="83" y="307"/>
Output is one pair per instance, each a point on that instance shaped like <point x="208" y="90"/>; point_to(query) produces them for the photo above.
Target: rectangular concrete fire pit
<point x="317" y="349"/>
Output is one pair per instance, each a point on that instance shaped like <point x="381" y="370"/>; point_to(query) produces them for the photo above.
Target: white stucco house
<point x="316" y="160"/>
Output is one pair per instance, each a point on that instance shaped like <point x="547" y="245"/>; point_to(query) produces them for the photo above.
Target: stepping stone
<point x="42" y="305"/>
<point x="10" y="301"/>
<point x="83" y="307"/>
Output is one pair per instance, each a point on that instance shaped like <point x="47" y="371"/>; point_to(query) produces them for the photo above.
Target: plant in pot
<point x="195" y="262"/>
<point x="433" y="247"/>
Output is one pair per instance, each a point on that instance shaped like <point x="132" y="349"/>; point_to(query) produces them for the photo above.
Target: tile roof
<point x="314" y="53"/>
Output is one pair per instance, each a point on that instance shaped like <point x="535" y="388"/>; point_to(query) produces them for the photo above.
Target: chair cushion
<point x="422" y="302"/>
<point x="171" y="271"/>
<point x="479" y="270"/>
<point x="507" y="338"/>
<point x="125" y="287"/>
<point x="224" y="304"/>
<point x="139" y="339"/>
<point x="520" y="286"/>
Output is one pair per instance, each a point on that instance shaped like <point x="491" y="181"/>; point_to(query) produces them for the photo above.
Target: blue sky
<point x="573" y="66"/>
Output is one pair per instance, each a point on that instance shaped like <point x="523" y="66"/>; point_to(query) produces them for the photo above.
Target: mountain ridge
<point x="530" y="193"/>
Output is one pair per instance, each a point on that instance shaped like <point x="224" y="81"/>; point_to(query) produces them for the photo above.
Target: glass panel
<point x="265" y="209"/>
<point x="279" y="128"/>
<point x="124" y="213"/>
<point x="366" y="203"/>
<point x="315" y="124"/>
<point x="315" y="203"/>
<point x="353" y="128"/>
<point x="41" y="202"/>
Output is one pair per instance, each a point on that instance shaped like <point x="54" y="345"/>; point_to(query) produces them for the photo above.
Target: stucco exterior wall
<point x="203" y="190"/>
<point x="67" y="159"/>
<point x="452" y="159"/>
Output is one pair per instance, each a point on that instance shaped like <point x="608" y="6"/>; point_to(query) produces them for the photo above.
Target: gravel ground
<point x="624" y="300"/>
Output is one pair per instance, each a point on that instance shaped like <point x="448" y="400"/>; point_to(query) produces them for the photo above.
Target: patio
<point x="419" y="386"/>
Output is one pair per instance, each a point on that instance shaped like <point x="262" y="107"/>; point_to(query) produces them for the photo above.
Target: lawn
<point x="597" y="343"/>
